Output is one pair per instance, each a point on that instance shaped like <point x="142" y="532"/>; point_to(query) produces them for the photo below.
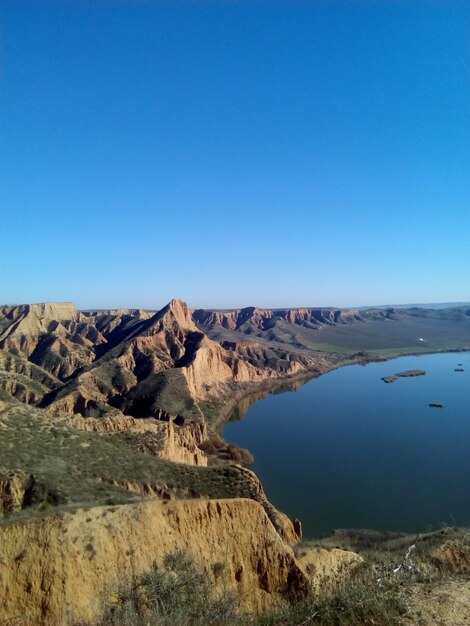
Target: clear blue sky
<point x="235" y="153"/>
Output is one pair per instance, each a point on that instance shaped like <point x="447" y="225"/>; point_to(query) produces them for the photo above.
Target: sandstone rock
<point x="327" y="567"/>
<point x="13" y="485"/>
<point x="79" y="557"/>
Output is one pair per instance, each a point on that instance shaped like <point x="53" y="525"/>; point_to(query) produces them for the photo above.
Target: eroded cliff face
<point x="174" y="443"/>
<point x="263" y="318"/>
<point x="132" y="362"/>
<point x="62" y="569"/>
<point x="213" y="366"/>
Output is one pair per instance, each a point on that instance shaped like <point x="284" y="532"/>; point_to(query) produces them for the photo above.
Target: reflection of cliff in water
<point x="244" y="403"/>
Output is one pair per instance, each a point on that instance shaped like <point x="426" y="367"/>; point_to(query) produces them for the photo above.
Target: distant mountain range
<point x="433" y="305"/>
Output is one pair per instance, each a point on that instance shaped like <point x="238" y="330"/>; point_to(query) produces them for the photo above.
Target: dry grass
<point x="179" y="592"/>
<point x="74" y="467"/>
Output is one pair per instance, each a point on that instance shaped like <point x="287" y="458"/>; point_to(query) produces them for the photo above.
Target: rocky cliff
<point x="131" y="362"/>
<point x="63" y="568"/>
<point x="348" y="331"/>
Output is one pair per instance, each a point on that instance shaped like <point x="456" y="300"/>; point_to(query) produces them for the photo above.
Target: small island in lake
<point x="405" y="374"/>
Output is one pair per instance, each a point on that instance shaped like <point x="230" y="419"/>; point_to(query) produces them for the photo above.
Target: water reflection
<point x="349" y="451"/>
<point x="242" y="406"/>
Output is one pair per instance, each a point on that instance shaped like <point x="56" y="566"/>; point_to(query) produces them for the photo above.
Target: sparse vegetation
<point x="405" y="579"/>
<point x="79" y="471"/>
<point x="394" y="586"/>
<point x="178" y="592"/>
<point x="359" y="601"/>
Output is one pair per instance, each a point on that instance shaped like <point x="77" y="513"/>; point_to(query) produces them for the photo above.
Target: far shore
<point x="266" y="387"/>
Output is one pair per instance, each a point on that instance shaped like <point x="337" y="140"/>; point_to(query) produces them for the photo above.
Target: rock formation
<point x="130" y="362"/>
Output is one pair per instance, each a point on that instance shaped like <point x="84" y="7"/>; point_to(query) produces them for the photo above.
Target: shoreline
<point x="267" y="389"/>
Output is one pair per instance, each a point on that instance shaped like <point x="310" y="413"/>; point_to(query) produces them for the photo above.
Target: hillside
<point x="378" y="331"/>
<point x="132" y="362"/>
<point x="110" y="408"/>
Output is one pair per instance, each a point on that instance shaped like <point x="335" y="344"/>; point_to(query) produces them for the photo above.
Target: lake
<point x="347" y="450"/>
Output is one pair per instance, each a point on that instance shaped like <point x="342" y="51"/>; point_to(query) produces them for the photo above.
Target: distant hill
<point x="379" y="331"/>
<point x="434" y="305"/>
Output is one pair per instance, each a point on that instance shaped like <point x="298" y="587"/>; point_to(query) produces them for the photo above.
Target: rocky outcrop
<point x="33" y="319"/>
<point x="175" y="443"/>
<point x="212" y="366"/>
<point x="327" y="568"/>
<point x="182" y="444"/>
<point x="13" y="486"/>
<point x="62" y="569"/>
<point x="19" y="490"/>
<point x="452" y="556"/>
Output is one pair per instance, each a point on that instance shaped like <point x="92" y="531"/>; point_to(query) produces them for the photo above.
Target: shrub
<point x="216" y="447"/>
<point x="212" y="444"/>
<point x="176" y="593"/>
<point x="359" y="601"/>
<point x="240" y="455"/>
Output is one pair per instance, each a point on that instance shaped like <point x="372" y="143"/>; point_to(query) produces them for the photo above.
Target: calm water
<point x="348" y="451"/>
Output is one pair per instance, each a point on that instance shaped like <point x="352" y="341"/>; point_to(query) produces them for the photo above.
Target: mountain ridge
<point x="131" y="362"/>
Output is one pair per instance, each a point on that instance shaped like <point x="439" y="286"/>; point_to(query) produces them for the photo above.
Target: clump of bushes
<point x="175" y="593"/>
<point x="240" y="455"/>
<point x="214" y="446"/>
